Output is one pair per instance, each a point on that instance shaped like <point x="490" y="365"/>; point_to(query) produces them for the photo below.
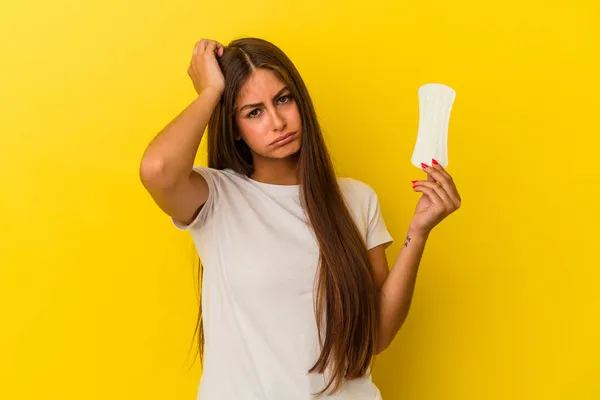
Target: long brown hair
<point x="346" y="304"/>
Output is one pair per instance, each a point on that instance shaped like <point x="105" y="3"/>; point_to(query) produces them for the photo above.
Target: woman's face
<point x="268" y="117"/>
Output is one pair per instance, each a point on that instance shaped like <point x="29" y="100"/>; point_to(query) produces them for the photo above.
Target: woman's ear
<point x="236" y="135"/>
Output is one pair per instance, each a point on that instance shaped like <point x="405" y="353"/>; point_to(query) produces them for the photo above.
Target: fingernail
<point x="414" y="186"/>
<point x="413" y="182"/>
<point x="434" y="161"/>
<point x="424" y="166"/>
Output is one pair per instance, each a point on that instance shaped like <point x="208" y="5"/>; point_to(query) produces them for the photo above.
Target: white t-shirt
<point x="260" y="261"/>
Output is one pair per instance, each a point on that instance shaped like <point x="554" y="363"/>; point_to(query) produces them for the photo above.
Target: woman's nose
<point x="278" y="121"/>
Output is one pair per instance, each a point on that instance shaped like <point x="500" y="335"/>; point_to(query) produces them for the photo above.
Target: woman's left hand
<point x="440" y="198"/>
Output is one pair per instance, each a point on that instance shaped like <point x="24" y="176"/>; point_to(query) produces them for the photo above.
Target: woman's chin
<point x="289" y="150"/>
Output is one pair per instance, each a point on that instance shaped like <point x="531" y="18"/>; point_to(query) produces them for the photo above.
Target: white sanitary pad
<point x="435" y="104"/>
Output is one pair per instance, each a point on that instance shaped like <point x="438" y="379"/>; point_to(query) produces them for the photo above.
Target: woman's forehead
<point x="261" y="83"/>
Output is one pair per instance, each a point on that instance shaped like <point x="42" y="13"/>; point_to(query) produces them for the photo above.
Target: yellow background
<point x="97" y="290"/>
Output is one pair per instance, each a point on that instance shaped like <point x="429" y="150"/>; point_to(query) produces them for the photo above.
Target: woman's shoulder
<point x="218" y="174"/>
<point x="356" y="192"/>
<point x="354" y="186"/>
<point x="213" y="171"/>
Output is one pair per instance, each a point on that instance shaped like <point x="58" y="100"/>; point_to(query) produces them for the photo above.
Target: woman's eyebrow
<point x="262" y="104"/>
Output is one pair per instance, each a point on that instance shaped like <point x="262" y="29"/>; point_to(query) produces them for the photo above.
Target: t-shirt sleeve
<point x="377" y="232"/>
<point x="208" y="208"/>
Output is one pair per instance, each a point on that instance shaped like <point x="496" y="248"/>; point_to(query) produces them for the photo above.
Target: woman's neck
<point x="276" y="171"/>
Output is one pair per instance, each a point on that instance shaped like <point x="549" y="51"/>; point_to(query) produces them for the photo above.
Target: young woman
<point x="297" y="297"/>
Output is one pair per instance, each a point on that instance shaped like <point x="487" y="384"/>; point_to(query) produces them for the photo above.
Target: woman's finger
<point x="430" y="193"/>
<point x="441" y="169"/>
<point x="220" y="49"/>
<point x="213" y="47"/>
<point x="435" y="174"/>
<point x="203" y="44"/>
<point x="445" y="200"/>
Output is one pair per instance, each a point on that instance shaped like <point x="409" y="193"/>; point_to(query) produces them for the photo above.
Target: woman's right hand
<point x="204" y="68"/>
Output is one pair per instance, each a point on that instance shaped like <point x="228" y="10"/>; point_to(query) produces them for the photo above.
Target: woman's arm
<point x="440" y="199"/>
<point x="397" y="286"/>
<point x="166" y="168"/>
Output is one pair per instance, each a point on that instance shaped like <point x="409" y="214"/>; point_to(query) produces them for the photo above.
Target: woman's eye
<point x="281" y="100"/>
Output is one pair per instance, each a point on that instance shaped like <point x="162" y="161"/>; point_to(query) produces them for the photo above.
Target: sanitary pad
<point x="435" y="104"/>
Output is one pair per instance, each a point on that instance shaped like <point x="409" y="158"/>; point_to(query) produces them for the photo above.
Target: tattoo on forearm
<point x="407" y="240"/>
